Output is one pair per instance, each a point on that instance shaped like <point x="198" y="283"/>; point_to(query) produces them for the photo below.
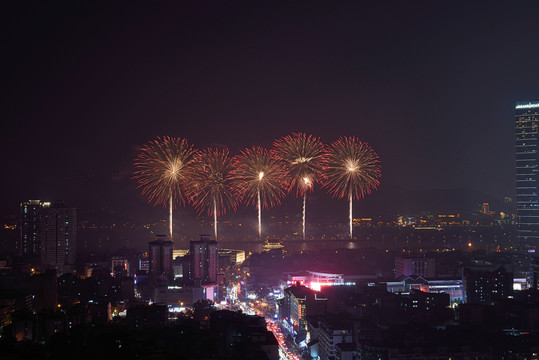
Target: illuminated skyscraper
<point x="527" y="166"/>
<point x="31" y="212"/>
<point x="161" y="258"/>
<point x="58" y="231"/>
<point x="204" y="260"/>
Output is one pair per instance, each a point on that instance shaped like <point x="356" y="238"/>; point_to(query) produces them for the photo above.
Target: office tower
<point x="58" y="232"/>
<point x="161" y="258"/>
<point x="527" y="166"/>
<point x="298" y="303"/>
<point x="30" y="221"/>
<point x="204" y="260"/>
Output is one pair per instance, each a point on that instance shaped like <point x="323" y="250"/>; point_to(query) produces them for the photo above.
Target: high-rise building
<point x="204" y="257"/>
<point x="30" y="221"/>
<point x="298" y="303"/>
<point x="333" y="331"/>
<point x="161" y="258"/>
<point x="527" y="168"/>
<point x="58" y="233"/>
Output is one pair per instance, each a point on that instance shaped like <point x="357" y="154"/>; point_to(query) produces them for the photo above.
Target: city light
<point x="527" y="106"/>
<point x="203" y="165"/>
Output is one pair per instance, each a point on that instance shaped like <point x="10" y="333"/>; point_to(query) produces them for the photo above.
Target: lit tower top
<point x="527" y="168"/>
<point x="527" y="105"/>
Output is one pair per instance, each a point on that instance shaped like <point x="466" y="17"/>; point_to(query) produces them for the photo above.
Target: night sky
<point x="430" y="85"/>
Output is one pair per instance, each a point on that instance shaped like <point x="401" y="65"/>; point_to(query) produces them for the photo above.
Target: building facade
<point x="332" y="332"/>
<point x="527" y="167"/>
<point x="298" y="303"/>
<point x="30" y="221"/>
<point x="485" y="285"/>
<point x="120" y="266"/>
<point x="423" y="267"/>
<point x="160" y="256"/>
<point x="58" y="232"/>
<point x="204" y="258"/>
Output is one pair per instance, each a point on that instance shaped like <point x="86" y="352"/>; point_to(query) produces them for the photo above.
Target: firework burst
<point x="162" y="170"/>
<point x="302" y="156"/>
<point x="213" y="186"/>
<point x="351" y="169"/>
<point x="261" y="180"/>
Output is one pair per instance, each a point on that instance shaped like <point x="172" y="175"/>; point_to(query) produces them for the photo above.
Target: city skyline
<point x="270" y="180"/>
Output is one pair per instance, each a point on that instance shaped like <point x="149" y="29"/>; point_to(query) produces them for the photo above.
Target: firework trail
<point x="261" y="180"/>
<point x="351" y="169"/>
<point x="302" y="156"/>
<point x="162" y="170"/>
<point x="213" y="186"/>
